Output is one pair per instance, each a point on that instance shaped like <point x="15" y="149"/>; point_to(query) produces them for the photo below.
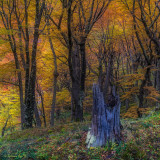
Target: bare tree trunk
<point x="100" y="74"/>
<point x="127" y="104"/>
<point x="77" y="89"/>
<point x="158" y="82"/>
<point x="108" y="78"/>
<point x="105" y="125"/>
<point x="42" y="102"/>
<point x="72" y="109"/>
<point x="54" y="83"/>
<point x="77" y="112"/>
<point x="44" y="116"/>
<point x="22" y="105"/>
<point x="20" y="85"/>
<point x="141" y="91"/>
<point x="30" y="101"/>
<point x="155" y="75"/>
<point x="27" y="66"/>
<point x="4" y="128"/>
<point x="37" y="117"/>
<point x="76" y="62"/>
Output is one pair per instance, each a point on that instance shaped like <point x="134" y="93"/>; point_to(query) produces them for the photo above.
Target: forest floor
<point x="140" y="141"/>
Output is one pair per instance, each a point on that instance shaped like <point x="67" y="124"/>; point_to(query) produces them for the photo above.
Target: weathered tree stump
<point x="105" y="125"/>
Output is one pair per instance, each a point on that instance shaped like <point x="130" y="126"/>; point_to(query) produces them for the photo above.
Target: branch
<point x="7" y="82"/>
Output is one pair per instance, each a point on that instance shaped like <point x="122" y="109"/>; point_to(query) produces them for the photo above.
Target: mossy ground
<point x="140" y="140"/>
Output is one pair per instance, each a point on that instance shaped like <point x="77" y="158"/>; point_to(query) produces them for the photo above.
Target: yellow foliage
<point x="153" y="93"/>
<point x="128" y="94"/>
<point x="9" y="105"/>
<point x="63" y="98"/>
<point x="131" y="113"/>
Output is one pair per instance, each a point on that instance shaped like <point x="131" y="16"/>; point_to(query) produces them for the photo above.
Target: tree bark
<point x="158" y="82"/>
<point x="105" y="125"/>
<point x="42" y="103"/>
<point x="77" y="84"/>
<point x="141" y="91"/>
<point x="77" y="110"/>
<point x="5" y="125"/>
<point x="30" y="102"/>
<point x="54" y="83"/>
<point x="27" y="66"/>
<point x="37" y="117"/>
<point x="108" y="76"/>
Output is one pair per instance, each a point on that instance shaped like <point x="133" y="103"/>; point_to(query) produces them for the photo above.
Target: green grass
<point x="141" y="141"/>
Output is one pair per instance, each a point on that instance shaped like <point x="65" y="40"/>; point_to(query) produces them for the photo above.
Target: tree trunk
<point x="42" y="102"/>
<point x="20" y="85"/>
<point x="44" y="116"/>
<point x="77" y="68"/>
<point x="37" y="117"/>
<point x="109" y="76"/>
<point x="27" y="66"/>
<point x="72" y="109"/>
<point x="54" y="83"/>
<point x="77" y="89"/>
<point x="158" y="82"/>
<point x="30" y="101"/>
<point x="127" y="104"/>
<point x="22" y="105"/>
<point x="100" y="73"/>
<point x="105" y="119"/>
<point x="141" y="91"/>
<point x="77" y="106"/>
<point x="83" y="64"/>
<point x="5" y="125"/>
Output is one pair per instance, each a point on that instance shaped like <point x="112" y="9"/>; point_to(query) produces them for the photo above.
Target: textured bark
<point x="54" y="83"/>
<point x="77" y="89"/>
<point x="127" y="104"/>
<point x="22" y="105"/>
<point x="30" y="99"/>
<point x="77" y="67"/>
<point x="100" y="74"/>
<point x="19" y="75"/>
<point x="83" y="64"/>
<point x="158" y="82"/>
<point x="105" y="119"/>
<point x="27" y="66"/>
<point x="108" y="77"/>
<point x="141" y="91"/>
<point x="77" y="107"/>
<point x="37" y="117"/>
<point x="5" y="125"/>
<point x="44" y="116"/>
<point x="42" y="102"/>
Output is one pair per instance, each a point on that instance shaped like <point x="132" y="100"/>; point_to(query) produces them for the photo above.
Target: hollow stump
<point x="105" y="125"/>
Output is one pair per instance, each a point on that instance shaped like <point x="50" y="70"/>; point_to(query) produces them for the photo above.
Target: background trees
<point x="54" y="51"/>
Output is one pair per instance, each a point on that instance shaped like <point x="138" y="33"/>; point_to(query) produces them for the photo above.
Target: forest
<point x="80" y="79"/>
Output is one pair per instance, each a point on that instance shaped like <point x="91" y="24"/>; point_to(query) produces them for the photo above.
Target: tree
<point x="11" y="12"/>
<point x="149" y="22"/>
<point x="86" y="14"/>
<point x="55" y="74"/>
<point x="6" y="18"/>
<point x="144" y="15"/>
<point x="30" y="101"/>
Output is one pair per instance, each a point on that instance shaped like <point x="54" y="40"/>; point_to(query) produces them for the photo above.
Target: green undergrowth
<point x="140" y="141"/>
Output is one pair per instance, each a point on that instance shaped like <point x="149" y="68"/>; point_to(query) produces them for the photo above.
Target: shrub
<point x="130" y="151"/>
